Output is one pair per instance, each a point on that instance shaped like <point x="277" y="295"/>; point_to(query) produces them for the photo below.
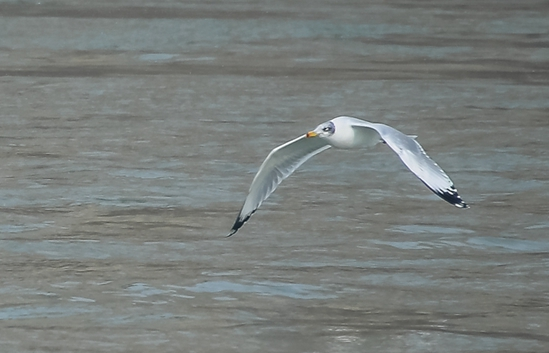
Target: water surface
<point x="131" y="131"/>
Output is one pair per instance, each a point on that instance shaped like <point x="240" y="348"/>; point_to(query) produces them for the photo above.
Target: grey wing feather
<point x="279" y="164"/>
<point x="414" y="157"/>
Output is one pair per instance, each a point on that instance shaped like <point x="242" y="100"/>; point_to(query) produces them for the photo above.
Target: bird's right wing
<point x="279" y="164"/>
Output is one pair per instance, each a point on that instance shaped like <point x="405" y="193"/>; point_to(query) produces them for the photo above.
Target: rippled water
<point x="131" y="131"/>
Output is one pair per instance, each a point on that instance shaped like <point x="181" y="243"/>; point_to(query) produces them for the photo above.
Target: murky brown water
<point x="131" y="131"/>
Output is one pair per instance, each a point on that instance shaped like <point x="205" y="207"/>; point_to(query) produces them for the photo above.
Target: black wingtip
<point x="233" y="230"/>
<point x="237" y="224"/>
<point x="451" y="195"/>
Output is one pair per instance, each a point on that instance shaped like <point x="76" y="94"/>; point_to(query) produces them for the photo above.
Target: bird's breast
<point x="349" y="137"/>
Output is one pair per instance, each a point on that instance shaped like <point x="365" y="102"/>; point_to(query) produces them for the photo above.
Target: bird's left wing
<point x="279" y="164"/>
<point x="414" y="157"/>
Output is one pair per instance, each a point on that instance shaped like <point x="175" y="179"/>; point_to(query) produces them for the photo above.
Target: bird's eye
<point x="329" y="128"/>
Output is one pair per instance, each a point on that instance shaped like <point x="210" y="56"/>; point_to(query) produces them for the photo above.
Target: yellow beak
<point x="312" y="134"/>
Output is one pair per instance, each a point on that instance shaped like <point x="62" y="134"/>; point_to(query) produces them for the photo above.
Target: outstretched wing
<point x="279" y="164"/>
<point x="415" y="158"/>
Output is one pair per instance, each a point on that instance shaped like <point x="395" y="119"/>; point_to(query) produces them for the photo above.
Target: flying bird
<point x="346" y="133"/>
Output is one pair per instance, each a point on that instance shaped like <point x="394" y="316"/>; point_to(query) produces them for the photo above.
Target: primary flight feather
<point x="343" y="132"/>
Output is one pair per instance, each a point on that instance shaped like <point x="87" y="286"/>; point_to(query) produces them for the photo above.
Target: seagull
<point x="343" y="132"/>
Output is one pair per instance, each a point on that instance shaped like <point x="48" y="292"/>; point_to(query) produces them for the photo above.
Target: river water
<point x="132" y="130"/>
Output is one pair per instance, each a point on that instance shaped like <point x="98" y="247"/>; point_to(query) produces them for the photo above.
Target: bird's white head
<point x="326" y="129"/>
<point x="338" y="133"/>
